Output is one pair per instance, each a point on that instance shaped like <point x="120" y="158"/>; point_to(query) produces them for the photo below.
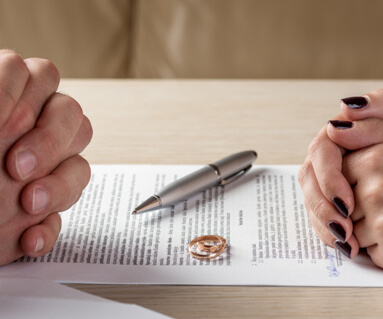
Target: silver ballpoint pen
<point x="221" y="172"/>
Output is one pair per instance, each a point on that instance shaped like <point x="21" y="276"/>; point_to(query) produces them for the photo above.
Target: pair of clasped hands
<point x="42" y="133"/>
<point x="342" y="178"/>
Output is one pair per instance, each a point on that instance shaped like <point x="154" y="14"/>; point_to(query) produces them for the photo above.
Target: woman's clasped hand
<point x="342" y="178"/>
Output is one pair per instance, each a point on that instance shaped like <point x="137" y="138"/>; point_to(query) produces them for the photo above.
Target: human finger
<point x="59" y="190"/>
<point x="363" y="169"/>
<point x="13" y="78"/>
<point x="325" y="218"/>
<point x="39" y="239"/>
<point x="82" y="138"/>
<point x="350" y="248"/>
<point x="361" y="107"/>
<point x="11" y="231"/>
<point x="355" y="135"/>
<point x="61" y="132"/>
<point x="326" y="158"/>
<point x="42" y="82"/>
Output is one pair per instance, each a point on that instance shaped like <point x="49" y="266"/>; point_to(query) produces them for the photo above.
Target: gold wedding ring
<point x="201" y="247"/>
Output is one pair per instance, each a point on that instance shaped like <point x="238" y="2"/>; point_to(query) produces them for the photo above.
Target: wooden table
<point x="196" y="122"/>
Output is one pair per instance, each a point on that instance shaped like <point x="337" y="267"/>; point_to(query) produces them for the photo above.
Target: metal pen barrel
<point x="189" y="185"/>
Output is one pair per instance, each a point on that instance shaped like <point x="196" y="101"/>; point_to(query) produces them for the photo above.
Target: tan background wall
<point x="199" y="38"/>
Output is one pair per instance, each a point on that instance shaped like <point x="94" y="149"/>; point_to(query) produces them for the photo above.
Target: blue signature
<point x="333" y="272"/>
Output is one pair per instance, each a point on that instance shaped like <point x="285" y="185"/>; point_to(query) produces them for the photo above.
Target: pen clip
<point x="235" y="176"/>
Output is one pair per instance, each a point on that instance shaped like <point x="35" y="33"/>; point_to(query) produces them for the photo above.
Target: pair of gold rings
<point x="202" y="248"/>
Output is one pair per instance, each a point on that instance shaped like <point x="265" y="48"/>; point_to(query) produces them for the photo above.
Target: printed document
<point x="262" y="216"/>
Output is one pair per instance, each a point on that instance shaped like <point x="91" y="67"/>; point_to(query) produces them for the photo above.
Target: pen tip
<point x="134" y="212"/>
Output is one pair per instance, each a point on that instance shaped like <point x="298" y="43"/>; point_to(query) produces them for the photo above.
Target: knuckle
<point x="12" y="64"/>
<point x="44" y="67"/>
<point x="314" y="147"/>
<point x="303" y="172"/>
<point x="88" y="130"/>
<point x="377" y="226"/>
<point x="70" y="110"/>
<point x="373" y="193"/>
<point x="6" y="51"/>
<point x="325" y="178"/>
<point x="51" y="145"/>
<point x="7" y="97"/>
<point x="369" y="158"/>
<point x="21" y="121"/>
<point x="73" y="108"/>
<point x="13" y="60"/>
<point x="374" y="159"/>
<point x="319" y="206"/>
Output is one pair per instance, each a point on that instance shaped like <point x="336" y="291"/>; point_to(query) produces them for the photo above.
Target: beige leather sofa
<point x="199" y="38"/>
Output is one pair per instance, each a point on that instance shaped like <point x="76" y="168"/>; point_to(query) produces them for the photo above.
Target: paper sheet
<point x="42" y="299"/>
<point x="262" y="216"/>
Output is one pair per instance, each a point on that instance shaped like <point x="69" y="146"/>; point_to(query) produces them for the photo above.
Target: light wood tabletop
<point x="196" y="122"/>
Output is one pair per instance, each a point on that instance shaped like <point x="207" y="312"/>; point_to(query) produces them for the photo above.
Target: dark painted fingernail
<point x="340" y="206"/>
<point x="338" y="231"/>
<point x="343" y="248"/>
<point x="355" y="102"/>
<point x="342" y="125"/>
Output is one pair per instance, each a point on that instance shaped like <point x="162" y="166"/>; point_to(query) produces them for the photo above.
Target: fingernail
<point x="338" y="231"/>
<point x="40" y="199"/>
<point x="25" y="163"/>
<point x="340" y="206"/>
<point x="39" y="244"/>
<point x="343" y="248"/>
<point x="342" y="125"/>
<point x="356" y="102"/>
